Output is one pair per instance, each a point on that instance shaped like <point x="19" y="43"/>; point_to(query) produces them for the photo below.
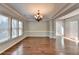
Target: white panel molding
<point x="51" y="35"/>
<point x="38" y="34"/>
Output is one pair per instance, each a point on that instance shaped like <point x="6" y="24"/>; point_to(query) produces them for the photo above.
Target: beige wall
<point x="40" y="29"/>
<point x="38" y="26"/>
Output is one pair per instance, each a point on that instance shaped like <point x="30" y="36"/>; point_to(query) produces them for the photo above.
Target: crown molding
<point x="71" y="14"/>
<point x="12" y="10"/>
<point x="65" y="8"/>
<point x="61" y="11"/>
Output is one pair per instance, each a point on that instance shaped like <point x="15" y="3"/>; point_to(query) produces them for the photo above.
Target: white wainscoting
<point x="38" y="34"/>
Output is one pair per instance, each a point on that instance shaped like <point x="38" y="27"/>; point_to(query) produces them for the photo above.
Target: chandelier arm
<point x="38" y="16"/>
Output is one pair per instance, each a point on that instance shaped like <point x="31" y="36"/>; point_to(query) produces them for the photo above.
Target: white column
<point x="52" y="28"/>
<point x="78" y="29"/>
<point x="10" y="27"/>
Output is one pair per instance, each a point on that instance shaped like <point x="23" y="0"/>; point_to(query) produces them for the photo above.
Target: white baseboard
<point x="73" y="40"/>
<point x="9" y="44"/>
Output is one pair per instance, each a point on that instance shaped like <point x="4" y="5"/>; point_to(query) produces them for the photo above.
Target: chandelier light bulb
<point x="38" y="16"/>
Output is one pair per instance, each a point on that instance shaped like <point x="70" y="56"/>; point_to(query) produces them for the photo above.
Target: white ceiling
<point x="27" y="10"/>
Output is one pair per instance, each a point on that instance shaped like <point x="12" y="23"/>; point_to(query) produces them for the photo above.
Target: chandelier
<point x="38" y="16"/>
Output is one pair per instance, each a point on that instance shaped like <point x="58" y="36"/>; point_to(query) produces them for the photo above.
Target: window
<point x="10" y="29"/>
<point x="4" y="28"/>
<point x="59" y="28"/>
<point x="74" y="30"/>
<point x="20" y="28"/>
<point x="14" y="28"/>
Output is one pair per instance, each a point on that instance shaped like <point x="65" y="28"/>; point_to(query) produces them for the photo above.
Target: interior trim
<point x="15" y="41"/>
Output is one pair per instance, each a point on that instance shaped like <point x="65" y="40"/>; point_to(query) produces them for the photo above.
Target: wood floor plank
<point x="39" y="46"/>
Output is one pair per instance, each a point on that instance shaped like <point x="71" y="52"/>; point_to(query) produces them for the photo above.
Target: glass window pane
<point x="59" y="28"/>
<point x="74" y="30"/>
<point x="20" y="28"/>
<point x="4" y="28"/>
<point x="14" y="28"/>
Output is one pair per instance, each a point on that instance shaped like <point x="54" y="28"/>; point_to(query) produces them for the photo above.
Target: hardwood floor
<point x="40" y="46"/>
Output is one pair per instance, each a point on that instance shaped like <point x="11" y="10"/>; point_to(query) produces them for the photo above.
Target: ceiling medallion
<point x="38" y="16"/>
